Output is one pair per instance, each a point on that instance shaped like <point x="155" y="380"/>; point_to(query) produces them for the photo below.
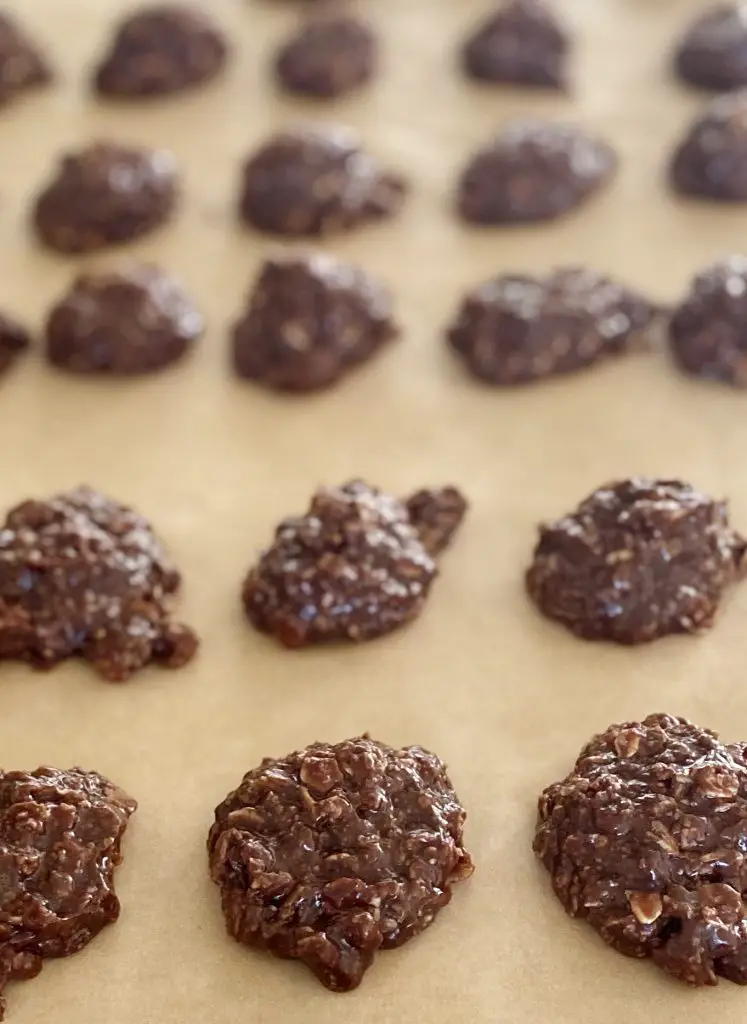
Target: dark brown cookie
<point x="106" y="194"/>
<point x="60" y="837"/>
<point x="436" y="514"/>
<point x="712" y="53"/>
<point x="711" y="160"/>
<point x="327" y="57"/>
<point x="22" y="66"/>
<point x="314" y="181"/>
<point x="14" y="339"/>
<point x="637" y="560"/>
<point x="353" y="568"/>
<point x="520" y="43"/>
<point x="336" y="851"/>
<point x="310" y="319"/>
<point x="515" y="329"/>
<point x="131" y="321"/>
<point x="533" y="171"/>
<point x="161" y="50"/>
<point x="645" y="839"/>
<point x="83" y="575"/>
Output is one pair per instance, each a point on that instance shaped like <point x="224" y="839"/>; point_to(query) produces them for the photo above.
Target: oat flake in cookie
<point x="22" y="66"/>
<point x="354" y="567"/>
<point x="316" y="180"/>
<point x="645" y="839"/>
<point x="83" y="575"/>
<point x="106" y="194"/>
<point x="337" y="851"/>
<point x="310" y="320"/>
<point x="129" y="321"/>
<point x="711" y="160"/>
<point x="330" y="55"/>
<point x="160" y="50"/>
<point x="515" y="329"/>
<point x="14" y="340"/>
<point x="521" y="43"/>
<point x="533" y="171"/>
<point x="637" y="560"/>
<point x="60" y="836"/>
<point x="712" y="54"/>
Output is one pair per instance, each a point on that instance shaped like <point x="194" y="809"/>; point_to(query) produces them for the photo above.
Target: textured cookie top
<point x="522" y="42"/>
<point x="711" y="160"/>
<point x="328" y="56"/>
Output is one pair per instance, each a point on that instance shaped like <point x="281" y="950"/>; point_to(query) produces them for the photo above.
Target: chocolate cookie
<point x="60" y="837"/>
<point x="83" y="575"/>
<point x="711" y="161"/>
<point x="129" y="321"/>
<point x="314" y="181"/>
<point x="353" y="568"/>
<point x="645" y="840"/>
<point x="637" y="560"/>
<point x="515" y="329"/>
<point x="336" y="851"/>
<point x="436" y="514"/>
<point x="521" y="43"/>
<point x="712" y="53"/>
<point x="22" y="66"/>
<point x="161" y="50"/>
<point x="327" y="57"/>
<point x="106" y="194"/>
<point x="310" y="320"/>
<point x="14" y="339"/>
<point x="533" y="171"/>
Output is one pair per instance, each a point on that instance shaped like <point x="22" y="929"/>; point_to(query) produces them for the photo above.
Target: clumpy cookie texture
<point x="645" y="839"/>
<point x="712" y="53"/>
<point x="106" y="194"/>
<point x="354" y="567"/>
<point x="22" y="66"/>
<point x="639" y="559"/>
<point x="316" y="180"/>
<point x="14" y="340"/>
<point x="533" y="170"/>
<point x="129" y="321"/>
<point x="160" y="50"/>
<point x="309" y="321"/>
<point x="83" y="575"/>
<point x="515" y="329"/>
<point x="711" y="160"/>
<point x="60" y="836"/>
<point x="330" y="55"/>
<point x="521" y="43"/>
<point x="337" y="851"/>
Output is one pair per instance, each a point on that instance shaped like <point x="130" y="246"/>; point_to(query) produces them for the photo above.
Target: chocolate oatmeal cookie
<point x="637" y="560"/>
<point x="330" y="55"/>
<point x="310" y="320"/>
<point x="515" y="329"/>
<point x="711" y="160"/>
<point x="522" y="43"/>
<point x="533" y="171"/>
<point x="129" y="321"/>
<point x="14" y="340"/>
<point x="712" y="53"/>
<point x="336" y="851"/>
<point x="316" y="180"/>
<point x="645" y="839"/>
<point x="160" y="50"/>
<point x="106" y="194"/>
<point x="23" y="68"/>
<point x="436" y="513"/>
<point x="355" y="567"/>
<point x="60" y="837"/>
<point x="82" y="575"/>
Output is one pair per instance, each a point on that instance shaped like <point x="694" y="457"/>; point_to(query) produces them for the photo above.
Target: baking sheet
<point x="504" y="697"/>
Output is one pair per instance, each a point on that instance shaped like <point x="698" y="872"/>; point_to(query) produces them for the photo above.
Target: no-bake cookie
<point x="23" y="67"/>
<point x="521" y="43"/>
<point x="330" y="55"/>
<point x="711" y="160"/>
<point x="712" y="53"/>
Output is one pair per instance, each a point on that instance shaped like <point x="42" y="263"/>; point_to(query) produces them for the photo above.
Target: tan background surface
<point x="506" y="698"/>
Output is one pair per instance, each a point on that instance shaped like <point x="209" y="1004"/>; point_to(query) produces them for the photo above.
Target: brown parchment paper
<point x="505" y="697"/>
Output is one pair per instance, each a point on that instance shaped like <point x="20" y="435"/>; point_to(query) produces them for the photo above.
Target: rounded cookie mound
<point x="106" y="194"/>
<point x="60" y="836"/>
<point x="14" y="339"/>
<point x="533" y="171"/>
<point x="83" y="575"/>
<point x="310" y="320"/>
<point x="521" y="43"/>
<point x="22" y="66"/>
<point x="711" y="161"/>
<point x="645" y="839"/>
<point x="129" y="321"/>
<point x="329" y="56"/>
<point x="712" y="53"/>
<point x="314" y="181"/>
<point x="336" y="851"/>
<point x="637" y="560"/>
<point x="160" y="50"/>
<point x="515" y="329"/>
